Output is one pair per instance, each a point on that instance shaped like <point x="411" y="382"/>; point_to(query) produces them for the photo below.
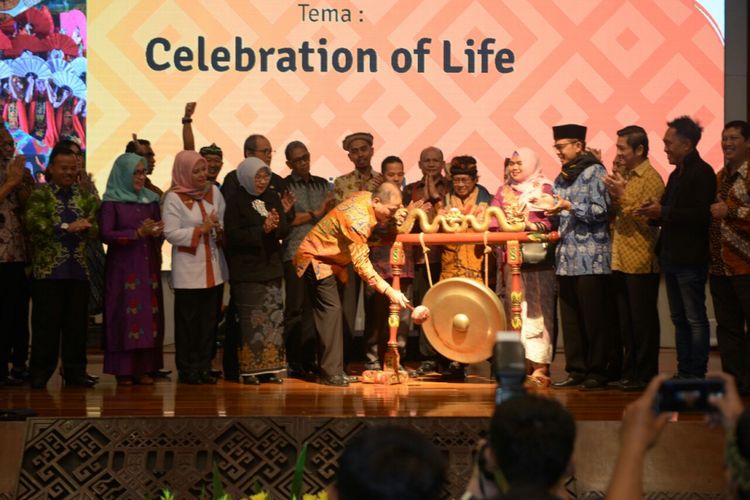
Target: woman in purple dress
<point x="130" y="225"/>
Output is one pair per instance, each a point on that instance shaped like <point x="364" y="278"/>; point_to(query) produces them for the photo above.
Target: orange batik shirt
<point x="340" y="238"/>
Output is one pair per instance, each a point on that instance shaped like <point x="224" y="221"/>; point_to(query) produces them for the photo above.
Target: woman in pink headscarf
<point x="524" y="182"/>
<point x="193" y="214"/>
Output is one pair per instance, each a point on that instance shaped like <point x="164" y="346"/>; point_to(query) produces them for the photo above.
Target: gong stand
<point x="391" y="362"/>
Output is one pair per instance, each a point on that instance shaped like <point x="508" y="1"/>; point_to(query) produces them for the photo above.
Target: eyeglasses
<point x="139" y="173"/>
<point x="266" y="151"/>
<point x="301" y="159"/>
<point x="561" y="145"/>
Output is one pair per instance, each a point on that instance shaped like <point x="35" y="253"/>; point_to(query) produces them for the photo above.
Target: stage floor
<point x="424" y="397"/>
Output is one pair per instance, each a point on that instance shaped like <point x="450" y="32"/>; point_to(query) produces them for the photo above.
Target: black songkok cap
<point x="569" y="131"/>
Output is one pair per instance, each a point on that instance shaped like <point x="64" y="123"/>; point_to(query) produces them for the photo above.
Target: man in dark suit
<point x="684" y="214"/>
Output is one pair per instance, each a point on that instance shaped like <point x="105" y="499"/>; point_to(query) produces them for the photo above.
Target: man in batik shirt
<point x="340" y="239"/>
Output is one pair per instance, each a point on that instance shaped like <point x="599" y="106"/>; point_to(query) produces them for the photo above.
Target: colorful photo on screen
<point x="43" y="76"/>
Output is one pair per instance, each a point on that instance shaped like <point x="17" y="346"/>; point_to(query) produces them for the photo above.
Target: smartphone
<point x="688" y="395"/>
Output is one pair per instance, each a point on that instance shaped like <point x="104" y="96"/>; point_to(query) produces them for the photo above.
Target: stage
<point x="97" y="443"/>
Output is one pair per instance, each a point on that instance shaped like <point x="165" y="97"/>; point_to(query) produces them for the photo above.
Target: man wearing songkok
<point x="582" y="258"/>
<point x="312" y="200"/>
<point x="729" y="276"/>
<point x="363" y="178"/>
<point x="470" y="198"/>
<point x="15" y="187"/>
<point x="339" y="239"/>
<point x="213" y="154"/>
<point x="635" y="268"/>
<point x="684" y="214"/>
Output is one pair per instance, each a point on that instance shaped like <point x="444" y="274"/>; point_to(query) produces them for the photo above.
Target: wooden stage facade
<point x="129" y="442"/>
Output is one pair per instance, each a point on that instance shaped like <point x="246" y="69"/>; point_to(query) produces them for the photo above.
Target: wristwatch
<point x="64" y="226"/>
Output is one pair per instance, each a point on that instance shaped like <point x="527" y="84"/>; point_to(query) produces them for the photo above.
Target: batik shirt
<point x="12" y="243"/>
<point x="354" y="182"/>
<point x="584" y="246"/>
<point x="57" y="253"/>
<point x="340" y="238"/>
<point x="730" y="236"/>
<point x="633" y="238"/>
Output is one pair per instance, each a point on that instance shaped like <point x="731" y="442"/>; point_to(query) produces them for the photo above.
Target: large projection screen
<point x="602" y="63"/>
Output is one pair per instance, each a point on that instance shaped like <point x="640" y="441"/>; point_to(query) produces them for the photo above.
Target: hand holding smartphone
<point x="688" y="395"/>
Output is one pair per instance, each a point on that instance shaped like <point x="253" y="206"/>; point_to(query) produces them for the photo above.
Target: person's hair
<point x="687" y="128"/>
<point x="390" y="463"/>
<point x="67" y="143"/>
<point x="532" y="439"/>
<point x="741" y="125"/>
<point x="635" y="136"/>
<point x="251" y="143"/>
<point x="289" y="148"/>
<point x="132" y="147"/>
<point x="388" y="160"/>
<point x="58" y="150"/>
<point x="386" y="191"/>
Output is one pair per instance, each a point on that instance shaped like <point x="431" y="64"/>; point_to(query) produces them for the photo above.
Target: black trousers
<point x="14" y="316"/>
<point x="731" y="297"/>
<point x="420" y="285"/>
<point x="349" y="297"/>
<point x="586" y="314"/>
<point x="636" y="296"/>
<point x="59" y="318"/>
<point x="329" y="322"/>
<point x="299" y="324"/>
<point x="196" y="317"/>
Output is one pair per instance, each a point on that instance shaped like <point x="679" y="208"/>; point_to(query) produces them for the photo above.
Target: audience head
<point x="531" y="439"/>
<point x="738" y="460"/>
<point x="214" y="160"/>
<point x="257" y="146"/>
<point x="431" y="162"/>
<point x="359" y="147"/>
<point x="392" y="169"/>
<point x="390" y="463"/>
<point x="386" y="200"/>
<point x="681" y="138"/>
<point x="570" y="141"/>
<point x="735" y="142"/>
<point x="254" y="175"/>
<point x="298" y="159"/>
<point x="463" y="175"/>
<point x="632" y="147"/>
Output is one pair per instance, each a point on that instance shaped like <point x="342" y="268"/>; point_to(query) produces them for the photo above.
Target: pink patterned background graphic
<point x="602" y="63"/>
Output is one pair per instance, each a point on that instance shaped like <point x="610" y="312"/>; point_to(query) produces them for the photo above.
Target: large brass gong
<point x="464" y="316"/>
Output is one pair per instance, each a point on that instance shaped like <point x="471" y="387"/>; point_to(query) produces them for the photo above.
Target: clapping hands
<point x="271" y="222"/>
<point x="150" y="227"/>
